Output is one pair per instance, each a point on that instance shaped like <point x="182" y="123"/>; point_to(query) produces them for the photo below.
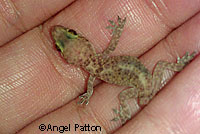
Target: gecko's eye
<point x="58" y="48"/>
<point x="71" y="34"/>
<point x="72" y="31"/>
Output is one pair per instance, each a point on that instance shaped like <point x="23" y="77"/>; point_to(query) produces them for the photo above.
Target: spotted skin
<point x="119" y="70"/>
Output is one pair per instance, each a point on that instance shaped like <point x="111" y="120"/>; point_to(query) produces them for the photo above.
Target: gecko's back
<point x="124" y="70"/>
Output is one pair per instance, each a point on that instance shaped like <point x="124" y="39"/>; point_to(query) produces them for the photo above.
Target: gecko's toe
<point x="120" y="115"/>
<point x="84" y="99"/>
<point x="115" y="111"/>
<point x="115" y="119"/>
<point x="186" y="58"/>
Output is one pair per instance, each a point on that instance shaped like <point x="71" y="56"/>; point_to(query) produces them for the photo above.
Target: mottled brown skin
<point x="119" y="70"/>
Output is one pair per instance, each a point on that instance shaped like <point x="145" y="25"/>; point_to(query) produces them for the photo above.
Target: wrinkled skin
<point x="38" y="87"/>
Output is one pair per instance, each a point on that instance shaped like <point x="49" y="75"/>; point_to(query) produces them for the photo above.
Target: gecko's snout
<point x="57" y="33"/>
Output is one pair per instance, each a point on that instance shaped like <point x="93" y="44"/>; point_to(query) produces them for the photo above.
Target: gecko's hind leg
<point x="158" y="73"/>
<point x="124" y="112"/>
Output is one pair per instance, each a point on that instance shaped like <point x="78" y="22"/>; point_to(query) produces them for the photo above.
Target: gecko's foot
<point x="114" y="26"/>
<point x="186" y="58"/>
<point x="120" y="115"/>
<point x="84" y="99"/>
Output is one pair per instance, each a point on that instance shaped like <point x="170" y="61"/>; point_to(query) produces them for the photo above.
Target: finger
<point x="16" y="17"/>
<point x="174" y="110"/>
<point x="147" y="22"/>
<point x="182" y="40"/>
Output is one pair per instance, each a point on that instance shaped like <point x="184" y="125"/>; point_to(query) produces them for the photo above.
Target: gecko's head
<point x="73" y="47"/>
<point x="60" y="35"/>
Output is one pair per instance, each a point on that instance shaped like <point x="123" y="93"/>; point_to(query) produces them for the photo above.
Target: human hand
<point x="38" y="87"/>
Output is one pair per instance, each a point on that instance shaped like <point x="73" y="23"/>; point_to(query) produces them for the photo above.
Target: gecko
<point x="120" y="70"/>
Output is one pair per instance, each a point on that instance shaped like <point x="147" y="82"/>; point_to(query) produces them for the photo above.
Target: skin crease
<point x="38" y="87"/>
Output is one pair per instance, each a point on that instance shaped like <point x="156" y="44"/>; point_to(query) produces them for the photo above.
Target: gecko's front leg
<point x="84" y="99"/>
<point x="117" y="29"/>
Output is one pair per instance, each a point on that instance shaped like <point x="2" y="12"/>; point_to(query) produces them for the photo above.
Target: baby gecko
<point x="119" y="70"/>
